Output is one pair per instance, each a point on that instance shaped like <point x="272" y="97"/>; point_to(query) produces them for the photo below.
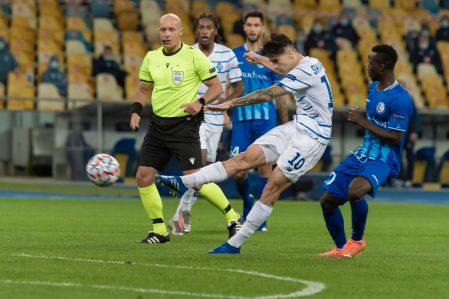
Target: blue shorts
<point x="376" y="172"/>
<point x="245" y="132"/>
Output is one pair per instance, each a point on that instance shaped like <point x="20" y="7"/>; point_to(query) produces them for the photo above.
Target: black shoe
<point x="234" y="227"/>
<point x="154" y="238"/>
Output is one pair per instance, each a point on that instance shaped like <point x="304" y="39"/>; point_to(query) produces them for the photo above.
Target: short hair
<point x="387" y="55"/>
<point x="276" y="45"/>
<point x="253" y="14"/>
<point x="208" y="16"/>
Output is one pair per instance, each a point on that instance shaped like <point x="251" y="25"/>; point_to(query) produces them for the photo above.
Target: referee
<point x="170" y="76"/>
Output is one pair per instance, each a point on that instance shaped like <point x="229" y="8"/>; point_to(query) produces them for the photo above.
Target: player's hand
<point x="356" y="115"/>
<point x="220" y="107"/>
<point x="251" y="57"/>
<point x="135" y="121"/>
<point x="192" y="108"/>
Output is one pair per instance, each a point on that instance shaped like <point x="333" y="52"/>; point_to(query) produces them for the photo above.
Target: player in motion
<point x="251" y="122"/>
<point x="223" y="58"/>
<point x="295" y="146"/>
<point x="172" y="75"/>
<point x="388" y="111"/>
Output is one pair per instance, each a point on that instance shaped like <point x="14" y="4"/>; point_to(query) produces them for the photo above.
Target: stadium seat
<point x="125" y="153"/>
<point x="79" y="95"/>
<point x="103" y="24"/>
<point x="424" y="166"/>
<point x="75" y="47"/>
<point x="443" y="170"/>
<point x="49" y="98"/>
<point x="100" y="9"/>
<point x="108" y="89"/>
<point x="20" y="91"/>
<point x="2" y="95"/>
<point x="131" y="84"/>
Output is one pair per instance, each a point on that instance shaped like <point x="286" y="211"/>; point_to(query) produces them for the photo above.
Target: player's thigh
<point x="359" y="187"/>
<point x="209" y="142"/>
<point x="253" y="157"/>
<point x="302" y="154"/>
<point x="376" y="173"/>
<point x="276" y="184"/>
<point x="275" y="142"/>
<point x="240" y="137"/>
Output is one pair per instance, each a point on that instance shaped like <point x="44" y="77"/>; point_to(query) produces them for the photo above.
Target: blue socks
<point x="243" y="189"/>
<point x="335" y="226"/>
<point x="359" y="215"/>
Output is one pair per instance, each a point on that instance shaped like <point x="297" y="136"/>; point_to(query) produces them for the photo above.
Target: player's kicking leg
<point x="277" y="182"/>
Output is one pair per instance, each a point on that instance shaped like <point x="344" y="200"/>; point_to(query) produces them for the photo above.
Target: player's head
<point x="282" y="52"/>
<point x="381" y="61"/>
<point x="206" y="29"/>
<point x="253" y="26"/>
<point x="170" y="31"/>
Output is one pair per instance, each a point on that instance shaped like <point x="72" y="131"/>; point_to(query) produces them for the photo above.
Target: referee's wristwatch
<point x="202" y="101"/>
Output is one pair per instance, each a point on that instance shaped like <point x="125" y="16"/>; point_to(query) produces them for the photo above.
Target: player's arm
<point x="140" y="97"/>
<point x="238" y="88"/>
<point x="259" y="96"/>
<point x="281" y="105"/>
<point x="254" y="58"/>
<point x="214" y="90"/>
<point x="393" y="137"/>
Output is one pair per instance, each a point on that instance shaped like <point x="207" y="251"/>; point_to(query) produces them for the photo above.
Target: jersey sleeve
<point x="203" y="66"/>
<point x="144" y="72"/>
<point x="296" y="80"/>
<point x="235" y="73"/>
<point x="401" y="112"/>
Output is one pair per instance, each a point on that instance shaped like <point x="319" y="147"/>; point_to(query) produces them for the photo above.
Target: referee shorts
<point x="166" y="136"/>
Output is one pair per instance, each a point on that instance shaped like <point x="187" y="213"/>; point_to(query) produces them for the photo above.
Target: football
<point x="103" y="170"/>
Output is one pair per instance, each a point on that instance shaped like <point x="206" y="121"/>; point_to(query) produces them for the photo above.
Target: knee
<point x="328" y="203"/>
<point x="355" y="194"/>
<point x="144" y="179"/>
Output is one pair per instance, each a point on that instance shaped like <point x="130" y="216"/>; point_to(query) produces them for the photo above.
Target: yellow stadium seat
<point x="17" y="44"/>
<point x="382" y="5"/>
<point x="235" y="40"/>
<point x="75" y="47"/>
<point x="128" y="20"/>
<point x="223" y="8"/>
<point x="22" y="9"/>
<point x="408" y="81"/>
<point x="199" y="7"/>
<point x="103" y="24"/>
<point x="132" y="48"/>
<point x="23" y="33"/>
<point x="25" y="22"/>
<point x="122" y="6"/>
<point x="228" y="25"/>
<point x="150" y="12"/>
<point x="132" y="36"/>
<point x="406" y="4"/>
<point x="108" y="89"/>
<point x="24" y="59"/>
<point x="20" y="92"/>
<point x="49" y="98"/>
<point x="288" y="30"/>
<point x="79" y="95"/>
<point x="305" y="5"/>
<point x="131" y="83"/>
<point x="444" y="173"/>
<point x="425" y="70"/>
<point x="132" y="61"/>
<point x="80" y="60"/>
<point x="330" y="6"/>
<point x="49" y="23"/>
<point x="2" y="95"/>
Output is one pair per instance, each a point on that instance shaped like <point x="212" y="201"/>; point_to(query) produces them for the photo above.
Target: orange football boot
<point x="334" y="252"/>
<point x="353" y="248"/>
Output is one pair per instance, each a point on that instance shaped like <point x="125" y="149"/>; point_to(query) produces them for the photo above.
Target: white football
<point x="103" y="170"/>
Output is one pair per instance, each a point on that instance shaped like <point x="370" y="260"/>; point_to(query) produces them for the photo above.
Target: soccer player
<point x="295" y="146"/>
<point x="251" y="122"/>
<point x="171" y="76"/>
<point x="388" y="111"/>
<point x="206" y="31"/>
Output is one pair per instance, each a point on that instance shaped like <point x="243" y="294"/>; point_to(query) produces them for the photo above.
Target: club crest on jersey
<point x="219" y="66"/>
<point x="380" y="108"/>
<point x="177" y="77"/>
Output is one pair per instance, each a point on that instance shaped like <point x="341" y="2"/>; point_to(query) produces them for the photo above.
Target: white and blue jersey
<point x="375" y="160"/>
<point x="314" y="106"/>
<point x="255" y="77"/>
<point x="227" y="65"/>
<point x="389" y="109"/>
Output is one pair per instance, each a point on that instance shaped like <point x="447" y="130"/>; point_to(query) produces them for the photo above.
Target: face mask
<point x="317" y="28"/>
<point x="423" y="46"/>
<point x="344" y="22"/>
<point x="445" y="24"/>
<point x="425" y="33"/>
<point x="2" y="46"/>
<point x="54" y="64"/>
<point x="107" y="57"/>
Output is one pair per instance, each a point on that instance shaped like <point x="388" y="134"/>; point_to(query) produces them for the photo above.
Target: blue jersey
<point x="389" y="109"/>
<point x="255" y="77"/>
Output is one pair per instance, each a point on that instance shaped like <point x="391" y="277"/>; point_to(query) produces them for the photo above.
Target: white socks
<point x="186" y="202"/>
<point x="258" y="214"/>
<point x="214" y="172"/>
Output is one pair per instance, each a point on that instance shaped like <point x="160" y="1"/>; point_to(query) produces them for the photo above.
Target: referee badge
<point x="177" y="77"/>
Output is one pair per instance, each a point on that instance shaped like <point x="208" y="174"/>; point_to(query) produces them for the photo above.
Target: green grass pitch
<point x="84" y="248"/>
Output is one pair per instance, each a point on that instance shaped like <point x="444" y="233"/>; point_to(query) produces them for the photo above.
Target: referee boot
<point x="172" y="182"/>
<point x="234" y="227"/>
<point x="154" y="238"/>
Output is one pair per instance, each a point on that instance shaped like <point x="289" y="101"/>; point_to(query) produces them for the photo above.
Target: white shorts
<point x="292" y="149"/>
<point x="209" y="141"/>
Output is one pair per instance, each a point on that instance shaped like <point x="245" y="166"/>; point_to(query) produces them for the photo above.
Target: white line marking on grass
<point x="312" y="287"/>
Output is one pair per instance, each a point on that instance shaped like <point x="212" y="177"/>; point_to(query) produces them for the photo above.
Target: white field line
<point x="311" y="287"/>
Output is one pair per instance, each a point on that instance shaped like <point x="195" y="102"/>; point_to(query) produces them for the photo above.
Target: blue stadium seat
<point x="100" y="9"/>
<point x="443" y="170"/>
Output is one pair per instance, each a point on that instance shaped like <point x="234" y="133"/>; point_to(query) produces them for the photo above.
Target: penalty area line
<point x="308" y="287"/>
